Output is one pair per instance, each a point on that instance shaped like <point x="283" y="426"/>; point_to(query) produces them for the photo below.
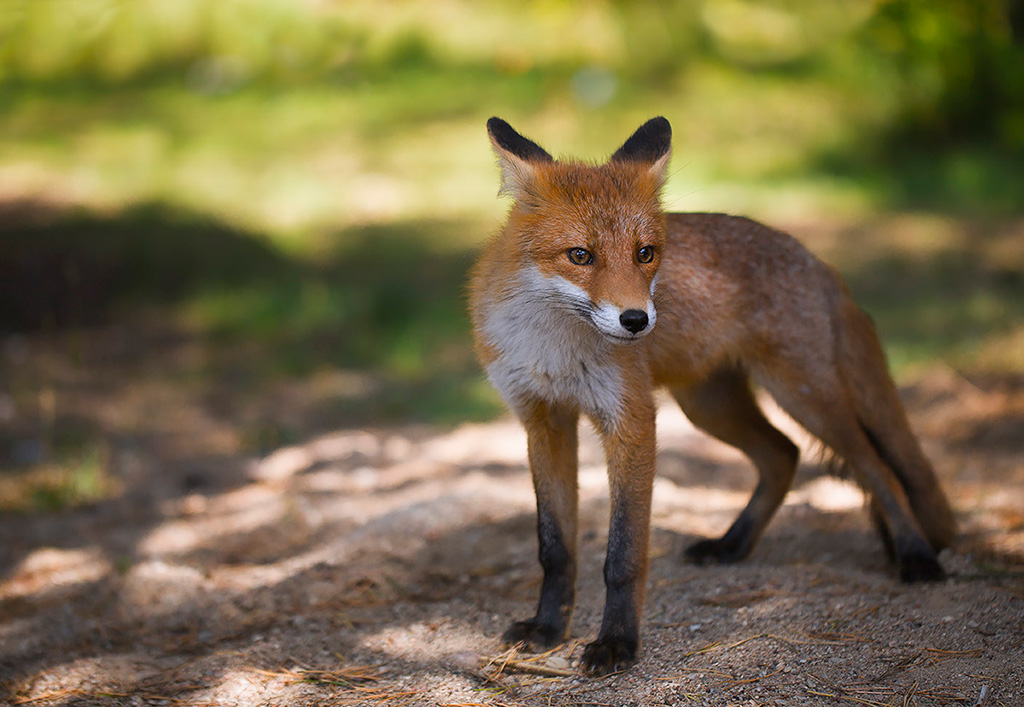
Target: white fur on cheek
<point x="571" y="292"/>
<point x="652" y="317"/>
<point x="606" y="318"/>
<point x="548" y="350"/>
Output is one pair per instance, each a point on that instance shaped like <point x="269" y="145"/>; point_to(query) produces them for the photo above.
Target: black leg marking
<point x="610" y="655"/>
<point x="917" y="561"/>
<point x="878" y="520"/>
<point x="558" y="592"/>
<point x="731" y="547"/>
<point x="618" y="644"/>
<point x="533" y="635"/>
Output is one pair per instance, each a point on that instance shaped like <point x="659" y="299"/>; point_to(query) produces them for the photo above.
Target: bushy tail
<point x="884" y="422"/>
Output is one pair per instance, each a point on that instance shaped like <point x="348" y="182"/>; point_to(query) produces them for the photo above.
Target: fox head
<point x="591" y="235"/>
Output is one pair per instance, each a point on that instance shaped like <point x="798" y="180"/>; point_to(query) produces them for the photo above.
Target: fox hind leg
<point x="723" y="405"/>
<point x="827" y="412"/>
<point x="884" y="422"/>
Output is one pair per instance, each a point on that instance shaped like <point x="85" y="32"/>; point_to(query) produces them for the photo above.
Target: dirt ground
<point x="379" y="566"/>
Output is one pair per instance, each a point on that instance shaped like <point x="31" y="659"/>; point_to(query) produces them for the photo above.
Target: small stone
<point x="558" y="663"/>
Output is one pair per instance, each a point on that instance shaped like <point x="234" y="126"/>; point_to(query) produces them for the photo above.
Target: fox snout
<point x="634" y="320"/>
<point x="624" y="325"/>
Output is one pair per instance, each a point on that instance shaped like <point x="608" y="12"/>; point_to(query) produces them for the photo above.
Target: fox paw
<point x="609" y="655"/>
<point x="918" y="567"/>
<point x="533" y="635"/>
<point x="711" y="551"/>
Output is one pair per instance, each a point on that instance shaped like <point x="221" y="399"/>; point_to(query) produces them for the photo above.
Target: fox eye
<point x="645" y="254"/>
<point x="579" y="256"/>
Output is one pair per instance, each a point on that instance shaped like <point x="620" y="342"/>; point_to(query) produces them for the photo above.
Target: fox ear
<point x="517" y="157"/>
<point x="652" y="142"/>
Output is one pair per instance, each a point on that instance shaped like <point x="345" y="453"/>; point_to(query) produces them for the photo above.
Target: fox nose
<point x="633" y="320"/>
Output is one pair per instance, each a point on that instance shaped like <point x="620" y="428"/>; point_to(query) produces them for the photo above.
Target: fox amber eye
<point x="645" y="254"/>
<point x="580" y="256"/>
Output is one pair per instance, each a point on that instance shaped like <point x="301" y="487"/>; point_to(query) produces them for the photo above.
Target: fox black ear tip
<point x="494" y="123"/>
<point x="660" y="124"/>
<point x="505" y="137"/>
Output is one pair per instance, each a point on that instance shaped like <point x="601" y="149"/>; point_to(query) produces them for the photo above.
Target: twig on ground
<point x="848" y="699"/>
<point x="896" y="667"/>
<point x="702" y="671"/>
<point x="56" y="694"/>
<point x="532" y="665"/>
<point x="524" y="666"/>
<point x="734" y="683"/>
<point x="938" y="655"/>
<point x="717" y="645"/>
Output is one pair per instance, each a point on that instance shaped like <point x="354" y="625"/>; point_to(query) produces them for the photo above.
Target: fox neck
<point x="547" y="350"/>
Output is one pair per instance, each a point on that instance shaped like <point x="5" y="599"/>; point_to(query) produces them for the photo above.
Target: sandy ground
<point x="378" y="567"/>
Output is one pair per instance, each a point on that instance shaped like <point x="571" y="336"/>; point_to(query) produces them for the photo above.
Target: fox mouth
<point x="620" y="339"/>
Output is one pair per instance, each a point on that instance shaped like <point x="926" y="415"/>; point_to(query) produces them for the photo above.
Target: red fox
<point x="592" y="296"/>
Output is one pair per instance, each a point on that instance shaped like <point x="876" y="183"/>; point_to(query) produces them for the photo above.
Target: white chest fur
<point x="547" y="351"/>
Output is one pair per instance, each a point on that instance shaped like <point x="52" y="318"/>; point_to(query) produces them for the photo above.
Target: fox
<point x="592" y="297"/>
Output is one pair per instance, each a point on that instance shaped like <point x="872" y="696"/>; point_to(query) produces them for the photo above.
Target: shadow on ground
<point x="110" y="306"/>
<point x="407" y="550"/>
<point x="151" y="354"/>
<point x="232" y="535"/>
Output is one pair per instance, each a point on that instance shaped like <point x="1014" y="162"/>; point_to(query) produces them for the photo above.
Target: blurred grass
<point x="954" y="307"/>
<point x="310" y="180"/>
<point x="64" y="483"/>
<point x="388" y="301"/>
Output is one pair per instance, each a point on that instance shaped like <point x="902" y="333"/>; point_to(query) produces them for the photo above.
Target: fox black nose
<point x="634" y="320"/>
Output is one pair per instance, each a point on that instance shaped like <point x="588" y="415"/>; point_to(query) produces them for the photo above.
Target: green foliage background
<point x="307" y="180"/>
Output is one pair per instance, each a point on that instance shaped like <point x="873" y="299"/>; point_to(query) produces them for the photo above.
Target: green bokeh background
<point x="301" y="185"/>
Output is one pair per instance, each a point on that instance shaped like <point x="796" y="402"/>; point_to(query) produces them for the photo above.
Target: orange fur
<point x="721" y="302"/>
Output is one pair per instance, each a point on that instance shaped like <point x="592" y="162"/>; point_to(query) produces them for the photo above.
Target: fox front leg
<point x="553" y="454"/>
<point x="630" y="448"/>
